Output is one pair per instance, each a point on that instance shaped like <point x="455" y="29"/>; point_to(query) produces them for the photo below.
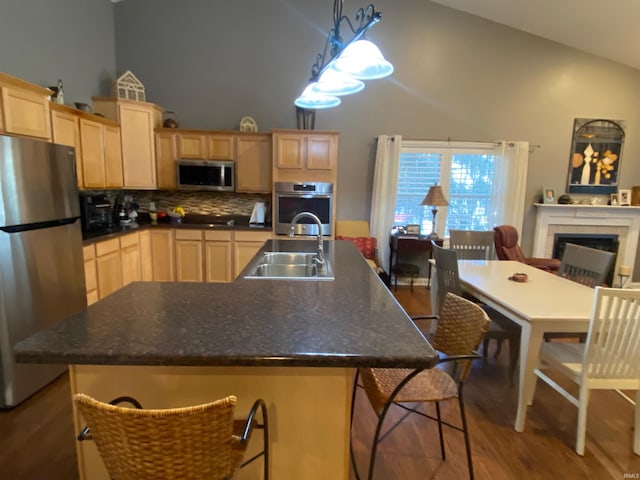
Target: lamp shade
<point x="435" y="197"/>
<point x="335" y="83"/>
<point x="362" y="59"/>
<point x="312" y="99"/>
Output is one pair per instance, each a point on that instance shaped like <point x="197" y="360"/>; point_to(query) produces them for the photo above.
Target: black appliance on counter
<point x="96" y="212"/>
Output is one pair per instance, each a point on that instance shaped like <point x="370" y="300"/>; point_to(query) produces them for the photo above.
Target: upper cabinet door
<point x="26" y="112"/>
<point x="290" y="150"/>
<point x="221" y="147"/>
<point x="112" y="156"/>
<point x="192" y="145"/>
<point x="65" y="127"/>
<point x="137" y="123"/>
<point x="92" y="145"/>
<point x="253" y="163"/>
<point x="322" y="152"/>
<point x="166" y="156"/>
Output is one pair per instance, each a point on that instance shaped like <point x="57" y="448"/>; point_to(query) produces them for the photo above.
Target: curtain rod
<point x="449" y="139"/>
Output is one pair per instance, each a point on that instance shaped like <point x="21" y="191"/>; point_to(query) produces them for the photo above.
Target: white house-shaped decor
<point x="129" y="87"/>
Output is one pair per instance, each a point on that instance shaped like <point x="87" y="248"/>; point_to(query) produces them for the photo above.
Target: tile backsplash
<point x="206" y="203"/>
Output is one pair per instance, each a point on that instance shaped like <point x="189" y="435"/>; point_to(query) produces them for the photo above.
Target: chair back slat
<point x="446" y="272"/>
<point x="472" y="245"/>
<point x="613" y="341"/>
<point x="588" y="266"/>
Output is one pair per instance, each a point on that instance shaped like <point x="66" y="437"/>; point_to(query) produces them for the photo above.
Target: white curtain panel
<point x="511" y="176"/>
<point x="383" y="197"/>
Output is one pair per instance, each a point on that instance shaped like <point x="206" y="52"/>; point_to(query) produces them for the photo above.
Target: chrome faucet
<point x="320" y="259"/>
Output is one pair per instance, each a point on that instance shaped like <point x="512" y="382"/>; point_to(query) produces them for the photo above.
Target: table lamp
<point x="434" y="198"/>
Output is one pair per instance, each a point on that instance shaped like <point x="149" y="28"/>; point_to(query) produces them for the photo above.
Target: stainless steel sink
<point x="284" y="270"/>
<point x="290" y="266"/>
<point x="287" y="258"/>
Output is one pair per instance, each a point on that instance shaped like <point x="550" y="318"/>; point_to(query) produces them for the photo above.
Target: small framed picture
<point x="548" y="195"/>
<point x="624" y="198"/>
<point x="614" y="200"/>
<point x="413" y="229"/>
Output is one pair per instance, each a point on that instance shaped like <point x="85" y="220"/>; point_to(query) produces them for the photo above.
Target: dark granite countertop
<point x="190" y="221"/>
<point x="352" y="321"/>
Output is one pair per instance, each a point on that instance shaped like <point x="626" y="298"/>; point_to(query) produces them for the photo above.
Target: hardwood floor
<point x="37" y="437"/>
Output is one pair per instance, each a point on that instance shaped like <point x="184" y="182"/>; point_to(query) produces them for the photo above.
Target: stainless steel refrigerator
<point x="41" y="264"/>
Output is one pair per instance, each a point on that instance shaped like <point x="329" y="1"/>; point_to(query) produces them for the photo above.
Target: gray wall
<point x="457" y="76"/>
<point x="213" y="62"/>
<point x="44" y="40"/>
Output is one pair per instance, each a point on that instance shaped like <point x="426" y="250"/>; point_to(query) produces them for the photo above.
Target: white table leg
<point x="530" y="341"/>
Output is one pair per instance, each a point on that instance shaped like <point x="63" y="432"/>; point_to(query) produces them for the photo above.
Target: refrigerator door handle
<point x="38" y="225"/>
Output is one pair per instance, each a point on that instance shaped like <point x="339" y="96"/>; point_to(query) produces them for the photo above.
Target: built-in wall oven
<point x="292" y="198"/>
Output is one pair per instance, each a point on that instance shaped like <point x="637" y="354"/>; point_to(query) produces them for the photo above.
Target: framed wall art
<point x="596" y="155"/>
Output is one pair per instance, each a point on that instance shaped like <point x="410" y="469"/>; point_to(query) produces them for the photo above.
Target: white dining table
<point x="544" y="303"/>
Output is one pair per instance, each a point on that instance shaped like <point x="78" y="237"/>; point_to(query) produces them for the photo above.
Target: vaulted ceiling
<point x="607" y="28"/>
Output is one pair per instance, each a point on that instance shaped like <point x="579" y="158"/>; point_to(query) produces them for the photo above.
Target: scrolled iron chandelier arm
<point x="365" y="18"/>
<point x="341" y="66"/>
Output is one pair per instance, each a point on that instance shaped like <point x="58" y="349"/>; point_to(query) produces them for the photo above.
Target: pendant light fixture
<point x="341" y="67"/>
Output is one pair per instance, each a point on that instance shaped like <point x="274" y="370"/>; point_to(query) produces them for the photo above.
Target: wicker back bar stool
<point x="460" y="328"/>
<point x="201" y="442"/>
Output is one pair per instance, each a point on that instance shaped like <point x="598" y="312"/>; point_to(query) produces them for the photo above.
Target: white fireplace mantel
<point x="588" y="219"/>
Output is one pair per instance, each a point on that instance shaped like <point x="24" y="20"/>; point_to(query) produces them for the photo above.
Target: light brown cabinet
<point x="130" y="258"/>
<point x="100" y="153"/>
<point x="253" y="163"/>
<point x="245" y="247"/>
<point x="24" y="108"/>
<point x="65" y="128"/>
<point x="189" y="256"/>
<point x="166" y="156"/>
<point x="162" y="255"/>
<point x="146" y="263"/>
<point x="112" y="156"/>
<point x="305" y="156"/>
<point x="108" y="267"/>
<point x="218" y="256"/>
<point x="206" y="145"/>
<point x="138" y="121"/>
<point x="90" y="273"/>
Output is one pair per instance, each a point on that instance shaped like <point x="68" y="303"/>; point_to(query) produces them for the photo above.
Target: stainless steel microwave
<point x="206" y="175"/>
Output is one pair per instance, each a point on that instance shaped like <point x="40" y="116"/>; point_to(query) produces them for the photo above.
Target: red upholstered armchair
<point x="507" y="248"/>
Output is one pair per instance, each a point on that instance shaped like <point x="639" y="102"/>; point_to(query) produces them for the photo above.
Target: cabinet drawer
<point x="107" y="246"/>
<point x="89" y="252"/>
<point x="252" y="236"/>
<point x="129" y="240"/>
<point x="218" y="236"/>
<point x="188" y="234"/>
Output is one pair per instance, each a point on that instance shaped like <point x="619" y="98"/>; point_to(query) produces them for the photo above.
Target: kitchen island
<point x="295" y="343"/>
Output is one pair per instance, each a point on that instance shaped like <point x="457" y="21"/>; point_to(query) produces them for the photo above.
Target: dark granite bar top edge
<point x="325" y="361"/>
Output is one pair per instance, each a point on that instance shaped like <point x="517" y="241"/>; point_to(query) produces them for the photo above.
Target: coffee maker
<point x="95" y="212"/>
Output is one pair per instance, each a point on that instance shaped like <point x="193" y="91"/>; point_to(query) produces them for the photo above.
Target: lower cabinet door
<point x="109" y="270"/>
<point x="219" y="261"/>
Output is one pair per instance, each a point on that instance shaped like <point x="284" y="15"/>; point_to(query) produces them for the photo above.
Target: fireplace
<point x="608" y="243"/>
<point x="624" y="222"/>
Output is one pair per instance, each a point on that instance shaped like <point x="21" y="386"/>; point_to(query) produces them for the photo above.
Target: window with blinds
<point x="467" y="179"/>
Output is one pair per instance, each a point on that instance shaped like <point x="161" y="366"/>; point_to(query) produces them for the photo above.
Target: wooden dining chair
<point x="472" y="244"/>
<point x="447" y="279"/>
<point x="610" y="358"/>
<point x="201" y="442"/>
<point x="588" y="266"/>
<point x="460" y="328"/>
